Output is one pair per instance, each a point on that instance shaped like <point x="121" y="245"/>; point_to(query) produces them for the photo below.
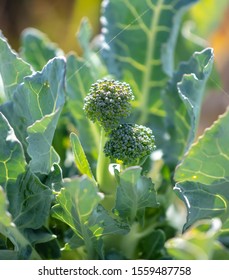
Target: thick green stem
<point x="129" y="242"/>
<point x="105" y="180"/>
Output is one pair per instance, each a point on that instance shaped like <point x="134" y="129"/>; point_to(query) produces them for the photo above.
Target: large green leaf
<point x="182" y="101"/>
<point x="37" y="49"/>
<point x="207" y="161"/>
<point x="140" y="37"/>
<point x="38" y="103"/>
<point x="203" y="174"/>
<point x="204" y="201"/>
<point x="12" y="160"/>
<point x="78" y="207"/>
<point x="12" y="68"/>
<point x="30" y="201"/>
<point x="23" y="248"/>
<point x="134" y="194"/>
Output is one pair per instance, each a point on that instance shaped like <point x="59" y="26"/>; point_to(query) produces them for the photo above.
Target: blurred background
<point x="205" y="25"/>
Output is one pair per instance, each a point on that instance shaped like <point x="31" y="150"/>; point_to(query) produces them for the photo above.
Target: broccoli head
<point x="130" y="143"/>
<point x="108" y="102"/>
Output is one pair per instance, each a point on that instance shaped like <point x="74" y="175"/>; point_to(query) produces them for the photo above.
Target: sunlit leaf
<point x="182" y="100"/>
<point x="12" y="160"/>
<point x="202" y="177"/>
<point x="80" y="157"/>
<point x="78" y="206"/>
<point x="140" y="37"/>
<point x="38" y="103"/>
<point x="37" y="49"/>
<point x="12" y="68"/>
<point x="134" y="194"/>
<point x="207" y="161"/>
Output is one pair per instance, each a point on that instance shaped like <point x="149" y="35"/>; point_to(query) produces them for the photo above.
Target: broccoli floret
<point x="108" y="102"/>
<point x="130" y="143"/>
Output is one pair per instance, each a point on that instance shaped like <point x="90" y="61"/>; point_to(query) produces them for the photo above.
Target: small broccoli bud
<point x="131" y="144"/>
<point x="107" y="102"/>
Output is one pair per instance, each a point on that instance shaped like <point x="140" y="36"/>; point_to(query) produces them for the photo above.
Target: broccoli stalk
<point x="108" y="104"/>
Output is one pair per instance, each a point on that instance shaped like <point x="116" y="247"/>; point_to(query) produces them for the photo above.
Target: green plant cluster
<point x="74" y="183"/>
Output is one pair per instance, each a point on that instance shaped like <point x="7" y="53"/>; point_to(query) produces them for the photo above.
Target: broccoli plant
<point x="99" y="154"/>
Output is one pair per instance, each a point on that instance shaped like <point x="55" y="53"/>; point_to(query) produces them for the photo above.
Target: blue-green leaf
<point x="12" y="68"/>
<point x="182" y="100"/>
<point x="38" y="103"/>
<point x="80" y="158"/>
<point x="140" y="37"/>
<point x="23" y="248"/>
<point x="40" y="136"/>
<point x="37" y="49"/>
<point x="78" y="206"/>
<point x="12" y="160"/>
<point x="202" y="176"/>
<point x="134" y="194"/>
<point x="30" y="201"/>
<point x="207" y="161"/>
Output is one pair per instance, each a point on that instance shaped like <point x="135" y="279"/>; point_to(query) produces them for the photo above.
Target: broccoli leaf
<point x="101" y="223"/>
<point x="202" y="176"/>
<point x="41" y="133"/>
<point x="182" y="101"/>
<point x="27" y="198"/>
<point x="37" y="49"/>
<point x="38" y="103"/>
<point x="152" y="245"/>
<point x="12" y="68"/>
<point x="77" y="206"/>
<point x="204" y="201"/>
<point x="23" y="249"/>
<point x="207" y="161"/>
<point x="80" y="157"/>
<point x="12" y="160"/>
<point x="134" y="194"/>
<point x="140" y="37"/>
